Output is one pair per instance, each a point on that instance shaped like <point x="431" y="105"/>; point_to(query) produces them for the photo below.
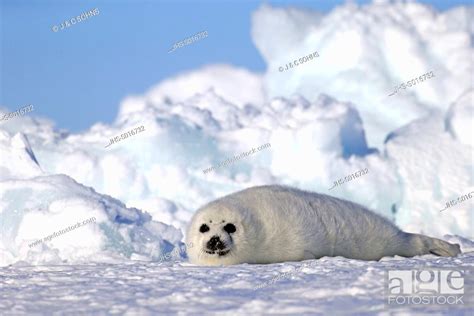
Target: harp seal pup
<point x="269" y="224"/>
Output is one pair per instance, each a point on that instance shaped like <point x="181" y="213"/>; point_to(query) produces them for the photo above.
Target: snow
<point x="316" y="144"/>
<point x="219" y="78"/>
<point x="389" y="43"/>
<point x="324" y="119"/>
<point x="447" y="174"/>
<point x="328" y="286"/>
<point x="35" y="207"/>
<point x="458" y="119"/>
<point x="17" y="149"/>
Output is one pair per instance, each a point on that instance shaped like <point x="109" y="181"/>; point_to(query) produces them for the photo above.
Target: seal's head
<point x="221" y="235"/>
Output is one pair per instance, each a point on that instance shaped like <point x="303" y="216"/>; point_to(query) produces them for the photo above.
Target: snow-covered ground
<point x="324" y="119"/>
<point x="328" y="286"/>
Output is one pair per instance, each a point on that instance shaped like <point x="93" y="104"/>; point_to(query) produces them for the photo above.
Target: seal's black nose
<point x="215" y="243"/>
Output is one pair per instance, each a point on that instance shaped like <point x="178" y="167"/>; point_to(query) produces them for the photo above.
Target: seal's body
<point x="269" y="224"/>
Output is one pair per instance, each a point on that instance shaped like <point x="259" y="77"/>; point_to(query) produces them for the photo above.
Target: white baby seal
<point x="268" y="224"/>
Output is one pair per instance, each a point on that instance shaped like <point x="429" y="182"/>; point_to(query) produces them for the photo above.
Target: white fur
<point x="276" y="224"/>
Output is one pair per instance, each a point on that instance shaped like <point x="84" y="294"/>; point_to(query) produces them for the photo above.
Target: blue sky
<point x="79" y="75"/>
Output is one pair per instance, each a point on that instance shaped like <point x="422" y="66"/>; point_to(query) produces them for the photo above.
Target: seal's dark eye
<point x="204" y="228"/>
<point x="230" y="228"/>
